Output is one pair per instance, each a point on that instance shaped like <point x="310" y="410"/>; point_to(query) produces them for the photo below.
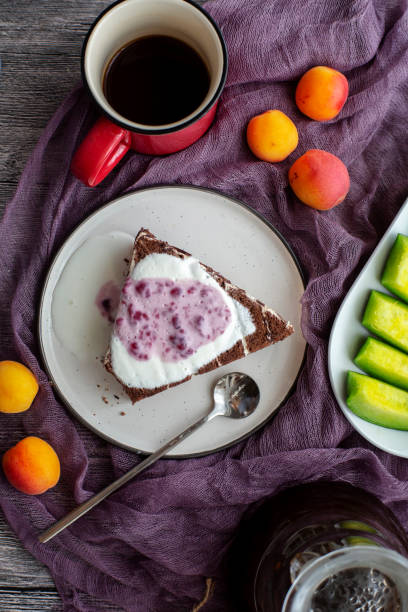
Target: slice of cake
<point x="177" y="317"/>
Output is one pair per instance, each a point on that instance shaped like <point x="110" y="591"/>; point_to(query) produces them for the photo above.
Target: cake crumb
<point x="126" y="260"/>
<point x="122" y="413"/>
<point x="105" y="399"/>
<point x="116" y="396"/>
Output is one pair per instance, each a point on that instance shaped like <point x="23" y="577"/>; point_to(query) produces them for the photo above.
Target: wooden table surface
<point x="40" y="47"/>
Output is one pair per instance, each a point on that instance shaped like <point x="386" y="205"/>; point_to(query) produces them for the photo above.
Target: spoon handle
<point x="80" y="510"/>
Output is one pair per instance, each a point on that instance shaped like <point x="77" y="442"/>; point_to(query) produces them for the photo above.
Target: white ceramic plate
<point x="221" y="232"/>
<point x="347" y="336"/>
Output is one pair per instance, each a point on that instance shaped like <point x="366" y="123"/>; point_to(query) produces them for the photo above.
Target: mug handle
<point x="102" y="148"/>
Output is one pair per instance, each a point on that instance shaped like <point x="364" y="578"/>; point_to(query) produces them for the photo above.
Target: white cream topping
<point x="155" y="372"/>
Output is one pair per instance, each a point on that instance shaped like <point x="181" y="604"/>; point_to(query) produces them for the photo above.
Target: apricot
<point x="321" y="93"/>
<point x="319" y="179"/>
<point x="272" y="136"/>
<point x="32" y="466"/>
<point x="18" y="387"/>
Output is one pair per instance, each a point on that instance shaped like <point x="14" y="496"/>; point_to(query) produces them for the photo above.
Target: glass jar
<point x="353" y="578"/>
<point x="320" y="547"/>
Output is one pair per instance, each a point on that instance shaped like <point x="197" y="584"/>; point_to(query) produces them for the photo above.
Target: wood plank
<point x="36" y="600"/>
<point x="25" y="584"/>
<point x="18" y="568"/>
<point x="43" y="599"/>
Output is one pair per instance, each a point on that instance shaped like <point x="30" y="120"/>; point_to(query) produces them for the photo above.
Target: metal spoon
<point x="236" y="396"/>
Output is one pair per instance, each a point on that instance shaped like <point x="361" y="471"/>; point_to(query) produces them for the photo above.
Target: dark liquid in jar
<point x="156" y="80"/>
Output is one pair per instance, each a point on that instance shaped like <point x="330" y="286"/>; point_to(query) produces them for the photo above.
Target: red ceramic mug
<point x="113" y="134"/>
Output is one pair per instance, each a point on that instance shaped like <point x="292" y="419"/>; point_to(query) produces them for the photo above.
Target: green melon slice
<point x="377" y="401"/>
<point x="383" y="361"/>
<point x="395" y="275"/>
<point x="387" y="317"/>
<point x="358" y="540"/>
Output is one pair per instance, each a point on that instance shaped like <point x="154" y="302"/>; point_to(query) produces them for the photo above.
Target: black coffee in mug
<point x="155" y="80"/>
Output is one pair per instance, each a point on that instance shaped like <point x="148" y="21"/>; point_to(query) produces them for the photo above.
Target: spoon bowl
<point x="236" y="396"/>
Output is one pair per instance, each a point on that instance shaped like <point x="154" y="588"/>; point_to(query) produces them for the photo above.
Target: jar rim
<point x="389" y="562"/>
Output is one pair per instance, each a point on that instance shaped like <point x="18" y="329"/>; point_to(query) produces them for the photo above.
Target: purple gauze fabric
<point x="153" y="544"/>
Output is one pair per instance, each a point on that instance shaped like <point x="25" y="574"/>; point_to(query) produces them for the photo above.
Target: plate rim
<point x="77" y="228"/>
<point x="340" y="400"/>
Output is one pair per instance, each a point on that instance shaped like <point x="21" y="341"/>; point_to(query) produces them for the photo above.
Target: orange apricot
<point x="18" y="387"/>
<point x="319" y="179"/>
<point x="272" y="136"/>
<point x="31" y="466"/>
<point x="321" y="93"/>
